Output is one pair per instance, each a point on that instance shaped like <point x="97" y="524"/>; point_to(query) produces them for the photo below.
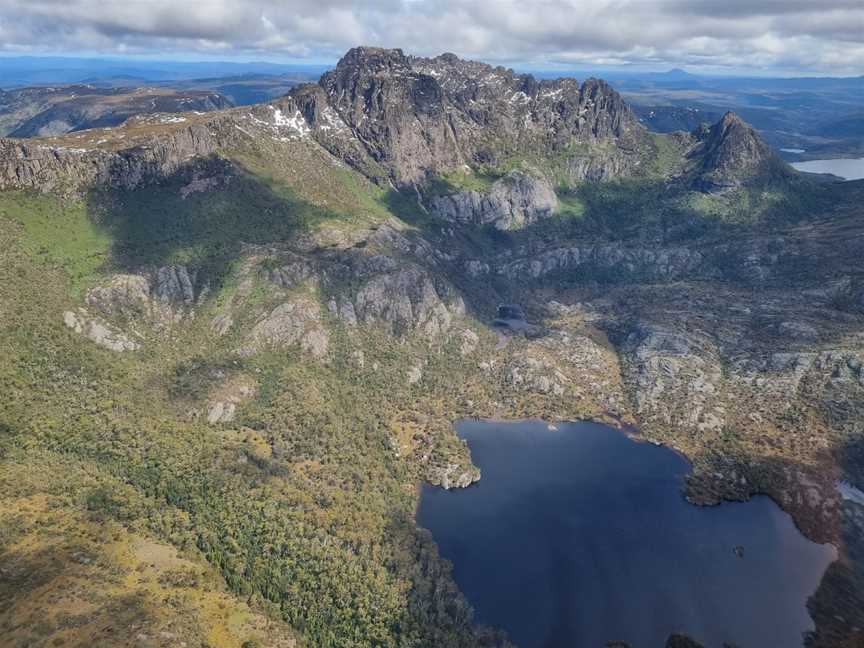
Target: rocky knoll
<point x="731" y="153"/>
<point x="512" y="202"/>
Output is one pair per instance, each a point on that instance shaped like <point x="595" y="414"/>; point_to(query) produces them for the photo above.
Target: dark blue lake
<point x="578" y="536"/>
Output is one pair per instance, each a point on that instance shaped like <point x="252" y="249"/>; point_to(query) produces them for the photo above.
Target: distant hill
<point x="17" y="71"/>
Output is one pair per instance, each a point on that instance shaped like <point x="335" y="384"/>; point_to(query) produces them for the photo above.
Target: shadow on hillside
<point x="169" y="222"/>
<point x="837" y="606"/>
<point x="637" y="210"/>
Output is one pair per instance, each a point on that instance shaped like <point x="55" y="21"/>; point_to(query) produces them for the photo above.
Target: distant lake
<point x="580" y="535"/>
<point x="846" y="168"/>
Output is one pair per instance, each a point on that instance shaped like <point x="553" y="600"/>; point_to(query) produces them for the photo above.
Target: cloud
<point x="823" y="36"/>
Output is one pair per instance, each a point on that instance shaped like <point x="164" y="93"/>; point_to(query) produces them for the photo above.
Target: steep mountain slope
<point x="248" y="325"/>
<point x="731" y="153"/>
<point x="49" y="111"/>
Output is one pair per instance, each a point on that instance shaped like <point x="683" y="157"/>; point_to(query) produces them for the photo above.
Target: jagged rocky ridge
<point x="672" y="335"/>
<point x="388" y="114"/>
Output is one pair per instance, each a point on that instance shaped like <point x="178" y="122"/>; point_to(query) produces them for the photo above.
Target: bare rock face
<point x="675" y="378"/>
<point x="392" y="117"/>
<point x="610" y="261"/>
<point x="294" y="322"/>
<point x="174" y="285"/>
<point x="468" y="342"/>
<point x="31" y="165"/>
<point x="732" y="153"/>
<point x="417" y="116"/>
<point x="99" y="331"/>
<point x="513" y="202"/>
<point x="126" y="295"/>
<point x="452" y="475"/>
<point x="405" y="299"/>
<point x="162" y="296"/>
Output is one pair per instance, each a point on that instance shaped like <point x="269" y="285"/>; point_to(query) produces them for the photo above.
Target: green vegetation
<point x="300" y="505"/>
<point x="59" y="233"/>
<point x="667" y="158"/>
<point x="463" y="179"/>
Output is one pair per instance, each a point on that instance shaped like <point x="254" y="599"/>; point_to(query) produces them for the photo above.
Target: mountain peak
<point x="731" y="153"/>
<point x="417" y="116"/>
<point x="374" y="57"/>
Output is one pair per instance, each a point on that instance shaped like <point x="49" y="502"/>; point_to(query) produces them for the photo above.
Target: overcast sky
<point x="767" y="36"/>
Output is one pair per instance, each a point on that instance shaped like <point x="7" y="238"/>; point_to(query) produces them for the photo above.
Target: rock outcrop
<point x="404" y="297"/>
<point x="418" y="116"/>
<point x="391" y="116"/>
<point x="295" y="322"/>
<point x="99" y="331"/>
<point x="46" y="167"/>
<point x="161" y="296"/>
<point x="514" y="201"/>
<point x="731" y="153"/>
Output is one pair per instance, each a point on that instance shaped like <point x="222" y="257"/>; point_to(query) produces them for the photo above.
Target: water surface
<point x="846" y="168"/>
<point x="580" y="535"/>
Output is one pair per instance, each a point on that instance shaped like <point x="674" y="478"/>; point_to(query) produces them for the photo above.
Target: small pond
<point x="577" y="535"/>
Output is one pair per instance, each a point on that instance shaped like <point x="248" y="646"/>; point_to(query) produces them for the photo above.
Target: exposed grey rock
<point x="675" y="378"/>
<point x="174" y="284"/>
<point x="610" y="261"/>
<point x="415" y="116"/>
<point x="514" y="201"/>
<point x="98" y="331"/>
<point x="343" y="309"/>
<point x="415" y="374"/>
<point x="42" y="167"/>
<point x="452" y="475"/>
<point x="798" y="330"/>
<point x="469" y="342"/>
<point x="163" y="296"/>
<point x="294" y="322"/>
<point x="291" y="274"/>
<point x="731" y="153"/>
<point x="126" y="295"/>
<point x="221" y="412"/>
<point x="408" y="299"/>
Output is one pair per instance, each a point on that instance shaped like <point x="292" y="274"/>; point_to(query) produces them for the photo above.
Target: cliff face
<point x="55" y="168"/>
<point x="514" y="201"/>
<point x="418" y="116"/>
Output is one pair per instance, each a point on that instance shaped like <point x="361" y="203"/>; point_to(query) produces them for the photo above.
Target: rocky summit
<point x="235" y="341"/>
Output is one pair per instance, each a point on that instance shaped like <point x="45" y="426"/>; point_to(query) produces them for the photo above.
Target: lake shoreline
<point x="524" y="471"/>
